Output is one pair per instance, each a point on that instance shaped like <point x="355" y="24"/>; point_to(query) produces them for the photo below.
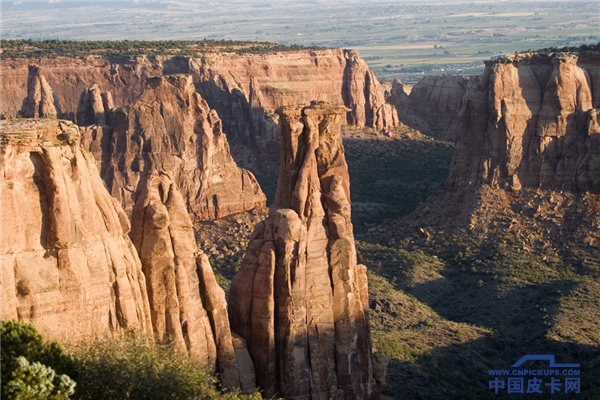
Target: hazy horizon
<point x="398" y="39"/>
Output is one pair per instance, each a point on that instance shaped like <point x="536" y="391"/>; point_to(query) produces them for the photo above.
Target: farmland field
<point x="398" y="39"/>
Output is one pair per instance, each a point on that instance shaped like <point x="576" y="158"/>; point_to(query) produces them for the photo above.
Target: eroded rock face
<point x="532" y="123"/>
<point x="433" y="104"/>
<point x="171" y="129"/>
<point x="241" y="88"/>
<point x="364" y="96"/>
<point x="40" y="100"/>
<point x="300" y="299"/>
<point x="94" y="107"/>
<point x="186" y="302"/>
<point x="68" y="265"/>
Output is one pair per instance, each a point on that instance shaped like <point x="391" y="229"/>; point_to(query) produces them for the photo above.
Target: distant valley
<point x="397" y="39"/>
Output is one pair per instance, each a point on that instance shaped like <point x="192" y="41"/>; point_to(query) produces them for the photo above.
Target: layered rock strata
<point x="40" y="100"/>
<point x="241" y="88"/>
<point x="300" y="299"/>
<point x="94" y="107"/>
<point x="186" y="302"/>
<point x="364" y="96"/>
<point x="68" y="265"/>
<point x="532" y="123"/>
<point x="171" y="129"/>
<point x="432" y="105"/>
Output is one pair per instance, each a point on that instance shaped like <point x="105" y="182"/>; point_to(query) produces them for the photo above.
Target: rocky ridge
<point x="300" y="300"/>
<point x="239" y="87"/>
<point x="532" y="122"/>
<point x="170" y="129"/>
<point x="68" y="265"/>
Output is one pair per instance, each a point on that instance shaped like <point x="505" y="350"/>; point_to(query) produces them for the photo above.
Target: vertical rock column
<point x="40" y="101"/>
<point x="362" y="93"/>
<point x="186" y="302"/>
<point x="300" y="298"/>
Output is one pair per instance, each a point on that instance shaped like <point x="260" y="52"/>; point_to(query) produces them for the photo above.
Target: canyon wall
<point x="300" y="300"/>
<point x="532" y="122"/>
<point x="70" y="268"/>
<point x="68" y="265"/>
<point x="170" y="129"/>
<point x="186" y="302"/>
<point x="433" y="104"/>
<point x="239" y="87"/>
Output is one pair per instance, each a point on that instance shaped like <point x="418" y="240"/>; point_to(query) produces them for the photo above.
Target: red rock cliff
<point x="68" y="265"/>
<point x="171" y="129"/>
<point x="238" y="87"/>
<point x="532" y="122"/>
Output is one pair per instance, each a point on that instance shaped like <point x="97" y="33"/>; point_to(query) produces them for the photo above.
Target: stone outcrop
<point x="186" y="302"/>
<point x="364" y="96"/>
<point x="40" y="100"/>
<point x="171" y="129"/>
<point x="300" y="299"/>
<point x="532" y="123"/>
<point x="94" y="107"/>
<point x="432" y="105"/>
<point x="68" y="265"/>
<point x="241" y="110"/>
<point x="241" y="88"/>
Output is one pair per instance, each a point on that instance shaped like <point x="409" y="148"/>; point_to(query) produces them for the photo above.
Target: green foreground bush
<point x="32" y="369"/>
<point x="127" y="367"/>
<point x="132" y="367"/>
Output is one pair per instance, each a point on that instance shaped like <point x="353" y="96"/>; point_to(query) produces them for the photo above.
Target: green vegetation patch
<point x="29" y="48"/>
<point x="128" y="366"/>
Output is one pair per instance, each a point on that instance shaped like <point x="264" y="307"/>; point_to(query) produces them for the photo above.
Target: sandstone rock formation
<point x="94" y="107"/>
<point x="171" y="129"/>
<point x="40" y="101"/>
<point x="239" y="87"/>
<point x="186" y="302"/>
<point x="433" y="104"/>
<point x="362" y="93"/>
<point x="300" y="299"/>
<point x="68" y="265"/>
<point x="532" y="122"/>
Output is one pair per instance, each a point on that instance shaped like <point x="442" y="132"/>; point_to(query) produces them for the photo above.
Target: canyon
<point x="106" y="214"/>
<point x="238" y="87"/>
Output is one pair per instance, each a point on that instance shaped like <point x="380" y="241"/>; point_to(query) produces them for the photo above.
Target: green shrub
<point x="22" y="341"/>
<point x="35" y="381"/>
<point x="133" y="367"/>
<point x="126" y="367"/>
